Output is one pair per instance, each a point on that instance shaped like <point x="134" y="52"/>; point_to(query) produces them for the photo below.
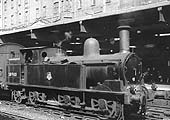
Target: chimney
<point x="124" y="38"/>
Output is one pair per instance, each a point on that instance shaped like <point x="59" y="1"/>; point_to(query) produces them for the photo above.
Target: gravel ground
<point x="4" y="117"/>
<point x="27" y="112"/>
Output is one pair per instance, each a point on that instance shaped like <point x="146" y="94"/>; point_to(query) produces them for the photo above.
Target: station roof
<point x="118" y="12"/>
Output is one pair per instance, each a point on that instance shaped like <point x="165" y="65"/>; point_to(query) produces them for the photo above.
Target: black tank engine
<point x="108" y="85"/>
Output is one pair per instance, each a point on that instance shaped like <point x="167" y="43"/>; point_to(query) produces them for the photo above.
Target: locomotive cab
<point x="39" y="55"/>
<point x="9" y="54"/>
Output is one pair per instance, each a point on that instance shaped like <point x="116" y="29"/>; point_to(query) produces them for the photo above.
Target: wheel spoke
<point x="60" y="99"/>
<point x="32" y="98"/>
<point x="106" y="106"/>
<point x="94" y="104"/>
<point x="41" y="97"/>
<point x="112" y="106"/>
<point x="77" y="101"/>
<point x="73" y="100"/>
<point x="112" y="109"/>
<point x="17" y="96"/>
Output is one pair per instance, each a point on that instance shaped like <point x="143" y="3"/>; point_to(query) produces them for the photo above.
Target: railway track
<point x="24" y="112"/>
<point x="61" y="113"/>
<point x="53" y="112"/>
<point x="74" y="114"/>
<point x="13" y="116"/>
<point x="157" y="113"/>
<point x="66" y="113"/>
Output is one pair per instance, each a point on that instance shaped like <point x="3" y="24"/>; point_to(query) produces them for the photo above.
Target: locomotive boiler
<point x="108" y="86"/>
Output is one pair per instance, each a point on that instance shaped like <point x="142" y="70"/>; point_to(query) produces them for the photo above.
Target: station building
<point x="42" y="22"/>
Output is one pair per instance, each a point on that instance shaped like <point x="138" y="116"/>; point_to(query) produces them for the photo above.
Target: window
<point x="26" y="17"/>
<point x="19" y="2"/>
<point x="108" y="1"/>
<point x="12" y="4"/>
<point x="12" y="20"/>
<point x="19" y="18"/>
<point x="12" y="53"/>
<point x="26" y="2"/>
<point x="79" y="4"/>
<point x="5" y="22"/>
<point x="44" y="11"/>
<point x="37" y="13"/>
<point x="93" y="2"/>
<point x="56" y="8"/>
<point x="68" y="6"/>
<point x="5" y="5"/>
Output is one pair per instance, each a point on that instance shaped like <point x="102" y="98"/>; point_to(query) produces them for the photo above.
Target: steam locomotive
<point x="109" y="86"/>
